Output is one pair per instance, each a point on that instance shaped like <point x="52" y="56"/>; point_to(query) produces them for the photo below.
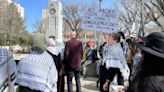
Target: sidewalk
<point x="88" y="84"/>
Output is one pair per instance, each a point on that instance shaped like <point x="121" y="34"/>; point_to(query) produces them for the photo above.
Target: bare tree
<point x="73" y="17"/>
<point x="159" y="4"/>
<point x="152" y="11"/>
<point x="136" y="11"/>
<point x="128" y="14"/>
<point x="38" y="26"/>
<point x="155" y="10"/>
<point x="154" y="14"/>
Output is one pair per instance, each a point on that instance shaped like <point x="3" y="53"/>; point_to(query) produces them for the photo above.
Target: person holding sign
<point x="115" y="62"/>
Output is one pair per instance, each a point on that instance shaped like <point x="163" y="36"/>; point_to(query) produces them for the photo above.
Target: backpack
<point x="94" y="55"/>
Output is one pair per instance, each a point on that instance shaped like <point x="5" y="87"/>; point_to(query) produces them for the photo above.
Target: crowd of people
<point x="123" y="65"/>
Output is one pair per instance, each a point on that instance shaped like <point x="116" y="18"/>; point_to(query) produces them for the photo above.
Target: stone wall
<point x="91" y="70"/>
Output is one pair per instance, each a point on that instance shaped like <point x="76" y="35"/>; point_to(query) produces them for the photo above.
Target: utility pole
<point x="142" y="23"/>
<point x="100" y="6"/>
<point x="4" y="13"/>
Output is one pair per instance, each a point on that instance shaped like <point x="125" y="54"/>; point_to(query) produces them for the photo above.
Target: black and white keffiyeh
<point x="114" y="57"/>
<point x="38" y="71"/>
<point x="7" y="68"/>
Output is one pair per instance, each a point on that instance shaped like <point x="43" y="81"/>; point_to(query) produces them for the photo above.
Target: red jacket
<point x="73" y="53"/>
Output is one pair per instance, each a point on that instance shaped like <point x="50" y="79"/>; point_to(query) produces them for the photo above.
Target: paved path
<point x="88" y="84"/>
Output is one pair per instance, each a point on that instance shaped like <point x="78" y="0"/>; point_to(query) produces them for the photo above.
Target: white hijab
<point x="51" y="46"/>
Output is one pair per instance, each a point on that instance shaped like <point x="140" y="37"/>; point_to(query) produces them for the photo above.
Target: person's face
<point x="111" y="41"/>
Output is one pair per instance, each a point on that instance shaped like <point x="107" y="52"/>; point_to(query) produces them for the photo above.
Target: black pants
<point x="26" y="89"/>
<point x="76" y="73"/>
<point x="111" y="74"/>
<point x="102" y="77"/>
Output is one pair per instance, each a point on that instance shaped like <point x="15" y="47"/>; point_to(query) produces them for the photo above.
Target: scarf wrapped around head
<point x="38" y="43"/>
<point x="51" y="46"/>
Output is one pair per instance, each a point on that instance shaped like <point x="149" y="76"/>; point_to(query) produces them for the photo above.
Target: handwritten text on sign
<point x="104" y="20"/>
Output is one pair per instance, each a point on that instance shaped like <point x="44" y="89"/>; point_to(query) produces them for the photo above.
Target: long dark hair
<point x="122" y="34"/>
<point x="116" y="36"/>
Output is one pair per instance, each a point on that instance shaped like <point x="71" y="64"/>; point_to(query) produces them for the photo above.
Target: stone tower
<point x="54" y="21"/>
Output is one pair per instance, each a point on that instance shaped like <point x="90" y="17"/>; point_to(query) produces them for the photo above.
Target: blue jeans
<point x="85" y="64"/>
<point x="76" y="73"/>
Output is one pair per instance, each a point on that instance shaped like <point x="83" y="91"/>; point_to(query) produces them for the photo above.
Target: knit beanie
<point x="38" y="43"/>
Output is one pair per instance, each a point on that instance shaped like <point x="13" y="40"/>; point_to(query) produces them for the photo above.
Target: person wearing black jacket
<point x="151" y="76"/>
<point x="55" y="53"/>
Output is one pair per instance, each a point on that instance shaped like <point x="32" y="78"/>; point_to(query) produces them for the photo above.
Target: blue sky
<point x="33" y="8"/>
